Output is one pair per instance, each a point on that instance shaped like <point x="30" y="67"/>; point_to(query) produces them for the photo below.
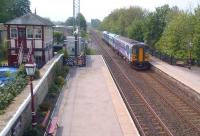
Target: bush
<point x="65" y="53"/>
<point x="11" y="89"/>
<point x="89" y="51"/>
<point x="59" y="81"/>
<point x="37" y="74"/>
<point x="37" y="131"/>
<point x="8" y="74"/>
<point x="53" y="88"/>
<point x="21" y="71"/>
<point x="64" y="72"/>
<point x="45" y="106"/>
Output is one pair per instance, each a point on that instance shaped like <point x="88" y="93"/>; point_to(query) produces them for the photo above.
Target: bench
<point x="52" y="127"/>
<point x="180" y="63"/>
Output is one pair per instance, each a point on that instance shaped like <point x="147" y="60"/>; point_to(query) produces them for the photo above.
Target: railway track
<point x="151" y="103"/>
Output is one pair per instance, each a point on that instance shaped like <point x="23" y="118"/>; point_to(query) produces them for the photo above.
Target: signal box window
<point x="29" y="32"/>
<point x="38" y="33"/>
<point x="13" y="32"/>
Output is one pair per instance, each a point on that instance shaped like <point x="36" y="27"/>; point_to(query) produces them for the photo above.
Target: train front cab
<point x="140" y="57"/>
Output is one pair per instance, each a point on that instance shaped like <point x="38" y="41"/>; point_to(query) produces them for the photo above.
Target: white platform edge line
<point x="124" y="105"/>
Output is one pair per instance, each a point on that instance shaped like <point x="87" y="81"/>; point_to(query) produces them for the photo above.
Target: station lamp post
<point x="190" y="54"/>
<point x="76" y="45"/>
<point x="30" y="70"/>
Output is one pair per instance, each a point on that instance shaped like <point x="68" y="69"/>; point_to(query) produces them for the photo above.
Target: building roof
<point x="30" y="19"/>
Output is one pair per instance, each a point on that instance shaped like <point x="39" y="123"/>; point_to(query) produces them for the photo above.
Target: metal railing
<point x="171" y="59"/>
<point x="20" y="54"/>
<point x="29" y="55"/>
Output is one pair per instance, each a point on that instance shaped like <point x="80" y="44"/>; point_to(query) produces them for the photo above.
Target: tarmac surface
<point x="91" y="104"/>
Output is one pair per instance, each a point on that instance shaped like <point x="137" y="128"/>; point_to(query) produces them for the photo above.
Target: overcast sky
<point x="60" y="10"/>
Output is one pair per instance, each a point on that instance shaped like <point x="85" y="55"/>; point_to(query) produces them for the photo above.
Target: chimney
<point x="35" y="12"/>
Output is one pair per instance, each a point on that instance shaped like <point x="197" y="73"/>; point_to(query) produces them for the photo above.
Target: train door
<point x="134" y="54"/>
<point x="141" y="55"/>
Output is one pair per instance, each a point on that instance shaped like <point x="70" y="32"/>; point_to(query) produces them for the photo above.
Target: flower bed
<point x="14" y="87"/>
<point x="49" y="103"/>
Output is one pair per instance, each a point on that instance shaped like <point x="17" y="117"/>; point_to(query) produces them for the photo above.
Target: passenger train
<point x="133" y="51"/>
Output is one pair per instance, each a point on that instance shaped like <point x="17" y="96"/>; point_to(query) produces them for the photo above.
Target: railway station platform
<point x="92" y="105"/>
<point x="188" y="77"/>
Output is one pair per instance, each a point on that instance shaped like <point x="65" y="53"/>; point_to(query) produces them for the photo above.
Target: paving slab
<point x="189" y="77"/>
<point x="92" y="105"/>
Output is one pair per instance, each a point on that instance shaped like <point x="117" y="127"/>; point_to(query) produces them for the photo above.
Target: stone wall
<point x="41" y="90"/>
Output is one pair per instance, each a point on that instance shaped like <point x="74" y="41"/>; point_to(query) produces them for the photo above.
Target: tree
<point x="177" y="36"/>
<point x="155" y="24"/>
<point x="81" y="22"/>
<point x="58" y="37"/>
<point x="196" y="34"/>
<point x="70" y="21"/>
<point x="136" y="30"/>
<point x="10" y="9"/>
<point x="119" y="20"/>
<point x="95" y="22"/>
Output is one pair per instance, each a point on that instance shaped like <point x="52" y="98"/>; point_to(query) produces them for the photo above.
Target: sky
<point x="60" y="10"/>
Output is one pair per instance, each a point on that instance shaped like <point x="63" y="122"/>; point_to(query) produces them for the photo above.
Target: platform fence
<point x="170" y="59"/>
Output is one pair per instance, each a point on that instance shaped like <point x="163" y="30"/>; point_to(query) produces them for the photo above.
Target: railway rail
<point x="150" y="99"/>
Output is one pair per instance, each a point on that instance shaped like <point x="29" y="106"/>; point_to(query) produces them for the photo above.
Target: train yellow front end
<point x="140" y="56"/>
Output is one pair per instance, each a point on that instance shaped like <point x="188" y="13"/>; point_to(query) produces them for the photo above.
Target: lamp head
<point x="30" y="69"/>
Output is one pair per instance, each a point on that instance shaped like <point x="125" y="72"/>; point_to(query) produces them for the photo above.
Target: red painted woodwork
<point x="22" y="37"/>
<point x="12" y="60"/>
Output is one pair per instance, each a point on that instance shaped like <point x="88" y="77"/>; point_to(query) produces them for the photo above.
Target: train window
<point x="134" y="51"/>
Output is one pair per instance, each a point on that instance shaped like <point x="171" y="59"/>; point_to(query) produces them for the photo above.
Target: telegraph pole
<point x="76" y="10"/>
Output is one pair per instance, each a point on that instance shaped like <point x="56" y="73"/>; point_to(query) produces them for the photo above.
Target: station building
<point x="29" y="34"/>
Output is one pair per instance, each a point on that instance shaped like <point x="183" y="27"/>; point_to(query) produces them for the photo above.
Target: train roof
<point x="127" y="40"/>
<point x="132" y="42"/>
<point x="113" y="35"/>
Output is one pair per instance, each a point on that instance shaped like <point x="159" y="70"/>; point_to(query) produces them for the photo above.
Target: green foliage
<point x="196" y="35"/>
<point x="89" y="51"/>
<point x="155" y="23"/>
<point x="37" y="131"/>
<point x="21" y="71"/>
<point x="45" y="106"/>
<point x="8" y="74"/>
<point x="80" y="21"/>
<point x="135" y="30"/>
<point x="119" y="20"/>
<point x="9" y="9"/>
<point x="53" y="88"/>
<point x="95" y="23"/>
<point x="65" y="53"/>
<point x="69" y="21"/>
<point x="168" y="30"/>
<point x="59" y="81"/>
<point x="3" y="51"/>
<point x="37" y="74"/>
<point x="11" y="90"/>
<point x="176" y="37"/>
<point x="58" y="37"/>
<point x="66" y="69"/>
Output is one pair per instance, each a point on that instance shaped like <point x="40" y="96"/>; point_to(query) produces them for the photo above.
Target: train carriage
<point x="133" y="51"/>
